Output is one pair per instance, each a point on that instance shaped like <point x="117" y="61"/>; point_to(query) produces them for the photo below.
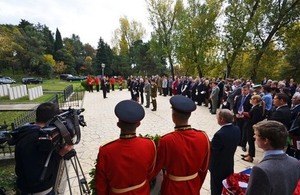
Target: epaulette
<point x="108" y="143"/>
<point x="198" y="130"/>
<point x="167" y="133"/>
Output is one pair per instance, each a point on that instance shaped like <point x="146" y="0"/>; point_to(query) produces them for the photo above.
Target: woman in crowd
<point x="256" y="114"/>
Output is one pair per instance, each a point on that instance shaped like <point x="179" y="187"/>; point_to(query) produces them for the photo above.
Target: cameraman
<point x="31" y="154"/>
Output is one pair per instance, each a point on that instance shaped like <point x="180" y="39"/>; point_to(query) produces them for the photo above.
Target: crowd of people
<point x="244" y="105"/>
<point x="266" y="114"/>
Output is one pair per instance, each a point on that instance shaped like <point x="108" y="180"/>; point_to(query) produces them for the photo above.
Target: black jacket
<point x="30" y="156"/>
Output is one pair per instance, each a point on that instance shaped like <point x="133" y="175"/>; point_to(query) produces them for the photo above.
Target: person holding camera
<point x="32" y="154"/>
<point x="124" y="165"/>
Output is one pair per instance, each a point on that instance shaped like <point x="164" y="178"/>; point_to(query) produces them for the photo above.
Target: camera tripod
<point x="82" y="182"/>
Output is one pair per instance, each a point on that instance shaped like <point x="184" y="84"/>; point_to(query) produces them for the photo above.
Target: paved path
<point x="101" y="128"/>
<point x="18" y="107"/>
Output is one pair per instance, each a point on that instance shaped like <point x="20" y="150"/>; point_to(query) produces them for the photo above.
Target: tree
<point x="143" y="59"/>
<point x="9" y="47"/>
<point x="48" y="59"/>
<point x="58" y="44"/>
<point x="126" y="35"/>
<point x="240" y="18"/>
<point x="276" y="15"/>
<point x="292" y="51"/>
<point x="65" y="56"/>
<point x="48" y="40"/>
<point x="89" y="50"/>
<point x="46" y="70"/>
<point x="196" y="43"/>
<point x="75" y="47"/>
<point x="163" y="17"/>
<point x="31" y="47"/>
<point x="60" y="67"/>
<point x="103" y="56"/>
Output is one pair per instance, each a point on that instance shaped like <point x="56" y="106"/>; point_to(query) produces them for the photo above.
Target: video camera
<point x="63" y="128"/>
<point x="4" y="134"/>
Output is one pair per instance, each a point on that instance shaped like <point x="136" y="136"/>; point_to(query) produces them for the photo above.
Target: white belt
<point x="182" y="178"/>
<point x="123" y="190"/>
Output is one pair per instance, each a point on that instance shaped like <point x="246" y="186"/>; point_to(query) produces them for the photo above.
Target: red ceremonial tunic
<point x="183" y="153"/>
<point x="112" y="80"/>
<point x="124" y="163"/>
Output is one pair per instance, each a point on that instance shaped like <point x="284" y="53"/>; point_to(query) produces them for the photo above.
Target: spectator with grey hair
<point x="223" y="147"/>
<point x="294" y="129"/>
<point x="237" y="90"/>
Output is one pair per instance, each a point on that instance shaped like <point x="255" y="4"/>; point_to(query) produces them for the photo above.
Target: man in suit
<point x="234" y="93"/>
<point x="282" y="112"/>
<point x="147" y="89"/>
<point x="153" y="95"/>
<point x="294" y="126"/>
<point x="200" y="92"/>
<point x="104" y="85"/>
<point x="242" y="104"/>
<point x="214" y="97"/>
<point x="295" y="110"/>
<point x="223" y="147"/>
<point x="221" y="92"/>
<point x="277" y="173"/>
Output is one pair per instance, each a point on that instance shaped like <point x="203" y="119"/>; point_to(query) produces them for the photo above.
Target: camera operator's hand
<point x="65" y="149"/>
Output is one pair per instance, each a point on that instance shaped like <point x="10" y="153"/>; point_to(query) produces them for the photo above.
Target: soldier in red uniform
<point x="120" y="81"/>
<point x="124" y="165"/>
<point x="90" y="82"/>
<point x="112" y="82"/>
<point x="97" y="82"/>
<point x="182" y="154"/>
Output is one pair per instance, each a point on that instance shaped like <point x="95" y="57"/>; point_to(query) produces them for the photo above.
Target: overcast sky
<point x="89" y="19"/>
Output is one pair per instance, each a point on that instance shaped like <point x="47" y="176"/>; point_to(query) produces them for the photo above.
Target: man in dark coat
<point x="200" y="92"/>
<point x="33" y="153"/>
<point x="241" y="105"/>
<point x="104" y="86"/>
<point x="234" y="93"/>
<point x="223" y="147"/>
<point x="221" y="92"/>
<point x="282" y="113"/>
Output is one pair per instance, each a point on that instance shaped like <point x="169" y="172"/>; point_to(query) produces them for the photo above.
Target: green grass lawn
<point x="8" y="117"/>
<point x="59" y="85"/>
<point x="7" y="175"/>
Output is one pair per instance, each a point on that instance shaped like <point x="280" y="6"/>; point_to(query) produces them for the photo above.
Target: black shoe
<point x="244" y="149"/>
<point x="244" y="155"/>
<point x="153" y="109"/>
<point x="146" y="106"/>
<point x="247" y="160"/>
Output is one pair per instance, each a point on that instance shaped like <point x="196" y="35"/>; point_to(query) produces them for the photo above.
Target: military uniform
<point x="184" y="154"/>
<point x="153" y="95"/>
<point x="124" y="165"/>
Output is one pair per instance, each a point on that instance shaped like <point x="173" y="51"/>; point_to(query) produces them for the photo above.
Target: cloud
<point x="89" y="19"/>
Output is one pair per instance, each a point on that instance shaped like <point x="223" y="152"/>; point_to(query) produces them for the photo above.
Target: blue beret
<point x="181" y="103"/>
<point x="129" y="111"/>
